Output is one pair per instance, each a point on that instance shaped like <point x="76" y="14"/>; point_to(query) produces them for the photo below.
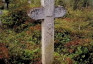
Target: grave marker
<point x="48" y="12"/>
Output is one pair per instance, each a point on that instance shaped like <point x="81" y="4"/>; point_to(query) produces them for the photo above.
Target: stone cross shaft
<point x="47" y="12"/>
<point x="48" y="32"/>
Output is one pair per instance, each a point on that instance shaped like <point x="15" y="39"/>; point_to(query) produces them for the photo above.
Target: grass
<point x="73" y="40"/>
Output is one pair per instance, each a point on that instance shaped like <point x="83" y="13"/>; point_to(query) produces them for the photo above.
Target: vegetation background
<point x="20" y="35"/>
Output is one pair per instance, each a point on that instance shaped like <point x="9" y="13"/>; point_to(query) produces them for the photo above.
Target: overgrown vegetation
<point x="20" y="36"/>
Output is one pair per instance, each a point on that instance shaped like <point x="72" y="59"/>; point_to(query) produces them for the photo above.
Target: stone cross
<point x="47" y="12"/>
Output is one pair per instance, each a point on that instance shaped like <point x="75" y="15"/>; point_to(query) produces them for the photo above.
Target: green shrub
<point x="61" y="38"/>
<point x="16" y="16"/>
<point x="20" y="48"/>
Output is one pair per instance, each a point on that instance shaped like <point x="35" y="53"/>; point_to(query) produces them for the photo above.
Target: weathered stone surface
<point x="48" y="32"/>
<point x="38" y="13"/>
<point x="47" y="40"/>
<point x="59" y="11"/>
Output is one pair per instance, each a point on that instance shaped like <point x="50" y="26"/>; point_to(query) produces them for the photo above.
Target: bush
<point x="19" y="48"/>
<point x="16" y="16"/>
<point x="75" y="4"/>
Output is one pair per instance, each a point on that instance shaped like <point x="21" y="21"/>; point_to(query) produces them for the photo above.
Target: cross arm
<point x="38" y="13"/>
